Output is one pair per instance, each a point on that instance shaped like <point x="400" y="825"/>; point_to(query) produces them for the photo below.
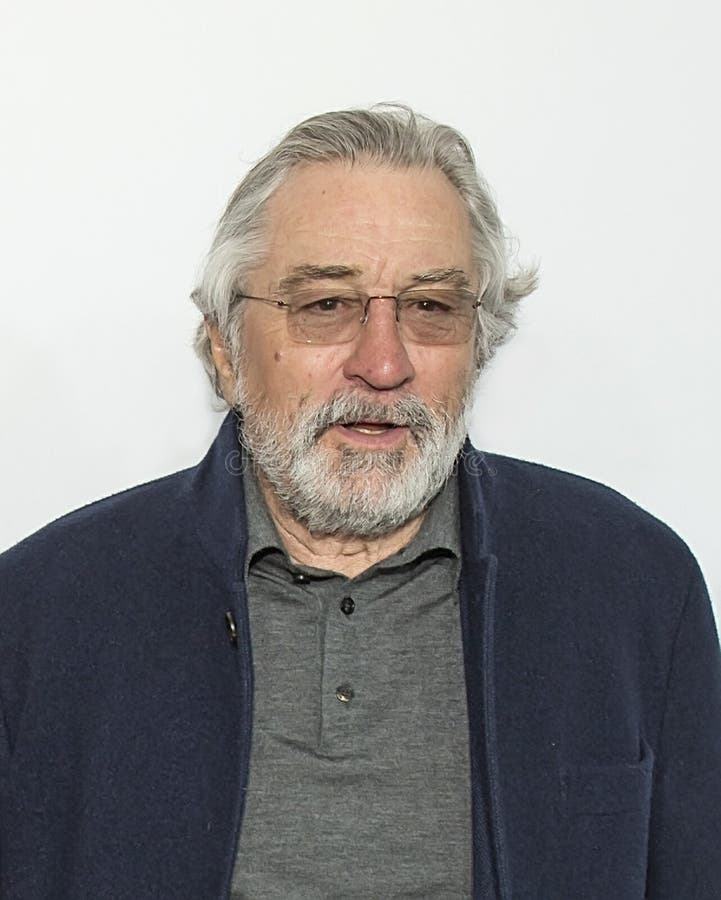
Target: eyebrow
<point x="300" y="275"/>
<point x="453" y="276"/>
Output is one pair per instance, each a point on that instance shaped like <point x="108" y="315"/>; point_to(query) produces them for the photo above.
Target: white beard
<point x="349" y="491"/>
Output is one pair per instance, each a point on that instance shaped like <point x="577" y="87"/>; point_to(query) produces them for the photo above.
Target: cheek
<point x="292" y="377"/>
<point x="443" y="374"/>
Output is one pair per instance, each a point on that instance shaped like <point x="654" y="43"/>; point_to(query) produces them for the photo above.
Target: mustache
<point x="348" y="409"/>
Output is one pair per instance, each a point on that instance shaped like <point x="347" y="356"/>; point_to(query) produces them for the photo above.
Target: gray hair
<point x="387" y="134"/>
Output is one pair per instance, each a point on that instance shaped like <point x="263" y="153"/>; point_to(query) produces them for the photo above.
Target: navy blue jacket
<point x="592" y="667"/>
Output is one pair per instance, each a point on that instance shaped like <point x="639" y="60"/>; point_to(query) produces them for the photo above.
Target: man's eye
<point x="431" y="306"/>
<point x="320" y="305"/>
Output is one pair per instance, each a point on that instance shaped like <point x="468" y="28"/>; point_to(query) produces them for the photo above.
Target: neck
<point x="348" y="554"/>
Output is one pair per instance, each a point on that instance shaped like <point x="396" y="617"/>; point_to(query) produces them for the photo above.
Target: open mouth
<point x="366" y="422"/>
<point x="373" y="434"/>
<point x="370" y="427"/>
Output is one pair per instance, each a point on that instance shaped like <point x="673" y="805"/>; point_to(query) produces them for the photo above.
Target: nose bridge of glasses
<point x="367" y="304"/>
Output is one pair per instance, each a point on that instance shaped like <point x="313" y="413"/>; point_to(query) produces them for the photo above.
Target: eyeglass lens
<point x="440" y="316"/>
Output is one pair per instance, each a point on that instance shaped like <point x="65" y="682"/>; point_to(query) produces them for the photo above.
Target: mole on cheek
<point x="277" y="356"/>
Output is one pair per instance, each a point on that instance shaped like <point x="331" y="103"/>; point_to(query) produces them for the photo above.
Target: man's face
<point x="356" y="437"/>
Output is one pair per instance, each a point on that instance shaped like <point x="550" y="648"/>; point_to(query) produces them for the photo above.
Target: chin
<point x="365" y="494"/>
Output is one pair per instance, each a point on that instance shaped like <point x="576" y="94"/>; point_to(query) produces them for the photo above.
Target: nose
<point x="378" y="357"/>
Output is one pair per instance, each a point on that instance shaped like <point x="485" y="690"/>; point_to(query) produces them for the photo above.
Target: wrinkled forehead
<point x="371" y="218"/>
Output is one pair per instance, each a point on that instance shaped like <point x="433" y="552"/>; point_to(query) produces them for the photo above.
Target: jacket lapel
<point x="477" y="599"/>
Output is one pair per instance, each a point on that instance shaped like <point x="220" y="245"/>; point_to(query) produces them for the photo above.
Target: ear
<point x="221" y="359"/>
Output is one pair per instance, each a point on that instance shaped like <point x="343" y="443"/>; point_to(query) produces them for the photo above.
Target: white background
<point x="126" y="126"/>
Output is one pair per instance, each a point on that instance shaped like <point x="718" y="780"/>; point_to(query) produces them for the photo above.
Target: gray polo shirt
<point x="359" y="775"/>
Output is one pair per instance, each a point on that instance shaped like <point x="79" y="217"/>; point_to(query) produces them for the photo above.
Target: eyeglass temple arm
<point x="268" y="300"/>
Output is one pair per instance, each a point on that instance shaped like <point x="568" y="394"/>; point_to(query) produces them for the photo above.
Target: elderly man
<point x="348" y="655"/>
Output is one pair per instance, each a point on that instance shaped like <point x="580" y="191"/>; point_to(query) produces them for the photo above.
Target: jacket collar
<point x="218" y="502"/>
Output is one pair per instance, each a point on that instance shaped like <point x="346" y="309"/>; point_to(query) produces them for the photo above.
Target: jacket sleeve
<point x="685" y="827"/>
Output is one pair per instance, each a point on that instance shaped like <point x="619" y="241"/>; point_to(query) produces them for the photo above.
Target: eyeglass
<point x="427" y="316"/>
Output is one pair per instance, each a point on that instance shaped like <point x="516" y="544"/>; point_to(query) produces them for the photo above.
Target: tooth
<point x="365" y="430"/>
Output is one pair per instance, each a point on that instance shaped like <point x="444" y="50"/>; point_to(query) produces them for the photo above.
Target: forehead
<point x="373" y="218"/>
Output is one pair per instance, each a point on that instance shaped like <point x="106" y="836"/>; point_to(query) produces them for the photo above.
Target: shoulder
<point x="585" y="523"/>
<point x="94" y="538"/>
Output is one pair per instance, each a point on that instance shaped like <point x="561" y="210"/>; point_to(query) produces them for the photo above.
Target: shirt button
<point x="300" y="578"/>
<point x="347" y="605"/>
<point x="344" y="693"/>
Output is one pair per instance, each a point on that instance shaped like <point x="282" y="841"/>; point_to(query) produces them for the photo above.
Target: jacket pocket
<point x="605" y="812"/>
